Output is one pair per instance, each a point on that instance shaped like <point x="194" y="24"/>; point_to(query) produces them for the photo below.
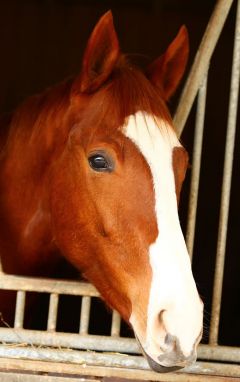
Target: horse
<point x="91" y="171"/>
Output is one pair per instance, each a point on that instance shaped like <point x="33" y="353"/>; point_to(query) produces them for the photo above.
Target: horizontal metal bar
<point x="226" y="185"/>
<point x="29" y="377"/>
<point x="201" y="62"/>
<point x="69" y="340"/>
<point x="85" y="315"/>
<point x="105" y="343"/>
<point x="73" y="356"/>
<point x="31" y="284"/>
<point x="91" y="363"/>
<point x="19" y="311"/>
<point x="52" y="312"/>
<point x="219" y="353"/>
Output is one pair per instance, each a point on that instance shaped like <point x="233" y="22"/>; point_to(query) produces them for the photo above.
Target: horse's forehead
<point x="154" y="137"/>
<point x="156" y="140"/>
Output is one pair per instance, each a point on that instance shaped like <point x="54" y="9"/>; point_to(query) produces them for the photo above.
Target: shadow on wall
<point x="42" y="43"/>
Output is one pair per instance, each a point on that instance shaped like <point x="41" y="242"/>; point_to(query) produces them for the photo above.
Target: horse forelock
<point x="126" y="92"/>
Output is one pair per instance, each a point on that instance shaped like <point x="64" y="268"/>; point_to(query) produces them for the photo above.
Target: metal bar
<point x="73" y="366"/>
<point x="19" y="311"/>
<point x="52" y="312"/>
<point x="85" y="315"/>
<point x="104" y="343"/>
<point x="69" y="340"/>
<point x="74" y="356"/>
<point x="33" y="377"/>
<point x="116" y="324"/>
<point x="201" y="62"/>
<point x="226" y="184"/>
<point x="219" y="353"/>
<point x="31" y="284"/>
<point x="196" y="165"/>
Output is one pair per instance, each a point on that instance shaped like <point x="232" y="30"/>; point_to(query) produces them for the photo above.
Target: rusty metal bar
<point x="52" y="312"/>
<point x="196" y="165"/>
<point x="31" y="376"/>
<point x="201" y="62"/>
<point x="32" y="284"/>
<point x="226" y="184"/>
<point x="85" y="315"/>
<point x="116" y="324"/>
<point x="19" y="311"/>
<point x="114" y="365"/>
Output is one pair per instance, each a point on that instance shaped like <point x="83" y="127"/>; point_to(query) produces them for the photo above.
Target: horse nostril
<point x="170" y="341"/>
<point x="173" y="355"/>
<point x="160" y="317"/>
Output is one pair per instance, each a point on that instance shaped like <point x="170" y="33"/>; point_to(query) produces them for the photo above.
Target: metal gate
<point x="56" y="356"/>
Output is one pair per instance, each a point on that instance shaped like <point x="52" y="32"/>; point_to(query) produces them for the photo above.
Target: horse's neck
<point x="25" y="230"/>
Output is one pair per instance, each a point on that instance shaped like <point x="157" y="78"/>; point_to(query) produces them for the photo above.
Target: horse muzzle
<point x="172" y="358"/>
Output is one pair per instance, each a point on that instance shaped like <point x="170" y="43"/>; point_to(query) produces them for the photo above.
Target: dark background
<point x="42" y="42"/>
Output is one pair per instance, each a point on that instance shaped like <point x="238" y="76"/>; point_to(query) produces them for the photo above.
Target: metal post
<point x="52" y="312"/>
<point x="85" y="315"/>
<point x="201" y="62"/>
<point x="196" y="164"/>
<point x="116" y="324"/>
<point x="226" y="184"/>
<point x="19" y="311"/>
<point x="1" y="269"/>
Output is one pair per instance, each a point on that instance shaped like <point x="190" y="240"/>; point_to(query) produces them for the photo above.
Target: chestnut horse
<point x="91" y="170"/>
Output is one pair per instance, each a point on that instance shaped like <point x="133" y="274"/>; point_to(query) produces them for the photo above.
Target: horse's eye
<point x="100" y="162"/>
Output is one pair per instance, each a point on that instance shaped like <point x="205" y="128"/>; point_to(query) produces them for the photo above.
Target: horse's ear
<point x="167" y="70"/>
<point x="100" y="56"/>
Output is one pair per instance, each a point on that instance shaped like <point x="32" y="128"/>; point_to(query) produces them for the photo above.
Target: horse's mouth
<point x="160" y="368"/>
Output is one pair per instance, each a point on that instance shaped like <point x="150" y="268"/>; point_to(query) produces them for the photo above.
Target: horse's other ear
<point x="167" y="70"/>
<point x="100" y="57"/>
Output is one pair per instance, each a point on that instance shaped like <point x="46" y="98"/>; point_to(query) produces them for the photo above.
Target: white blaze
<point x="173" y="289"/>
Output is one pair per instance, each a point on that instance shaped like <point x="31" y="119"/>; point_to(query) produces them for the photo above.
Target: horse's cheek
<point x="66" y="200"/>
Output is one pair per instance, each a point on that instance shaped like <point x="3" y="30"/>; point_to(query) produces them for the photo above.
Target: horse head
<point x="114" y="195"/>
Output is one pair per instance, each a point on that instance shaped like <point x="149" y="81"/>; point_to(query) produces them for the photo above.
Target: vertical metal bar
<point x="196" y="165"/>
<point x="19" y="311"/>
<point x="1" y="269"/>
<point x="52" y="312"/>
<point x="116" y="324"/>
<point x="201" y="62"/>
<point x="85" y="315"/>
<point x="226" y="184"/>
